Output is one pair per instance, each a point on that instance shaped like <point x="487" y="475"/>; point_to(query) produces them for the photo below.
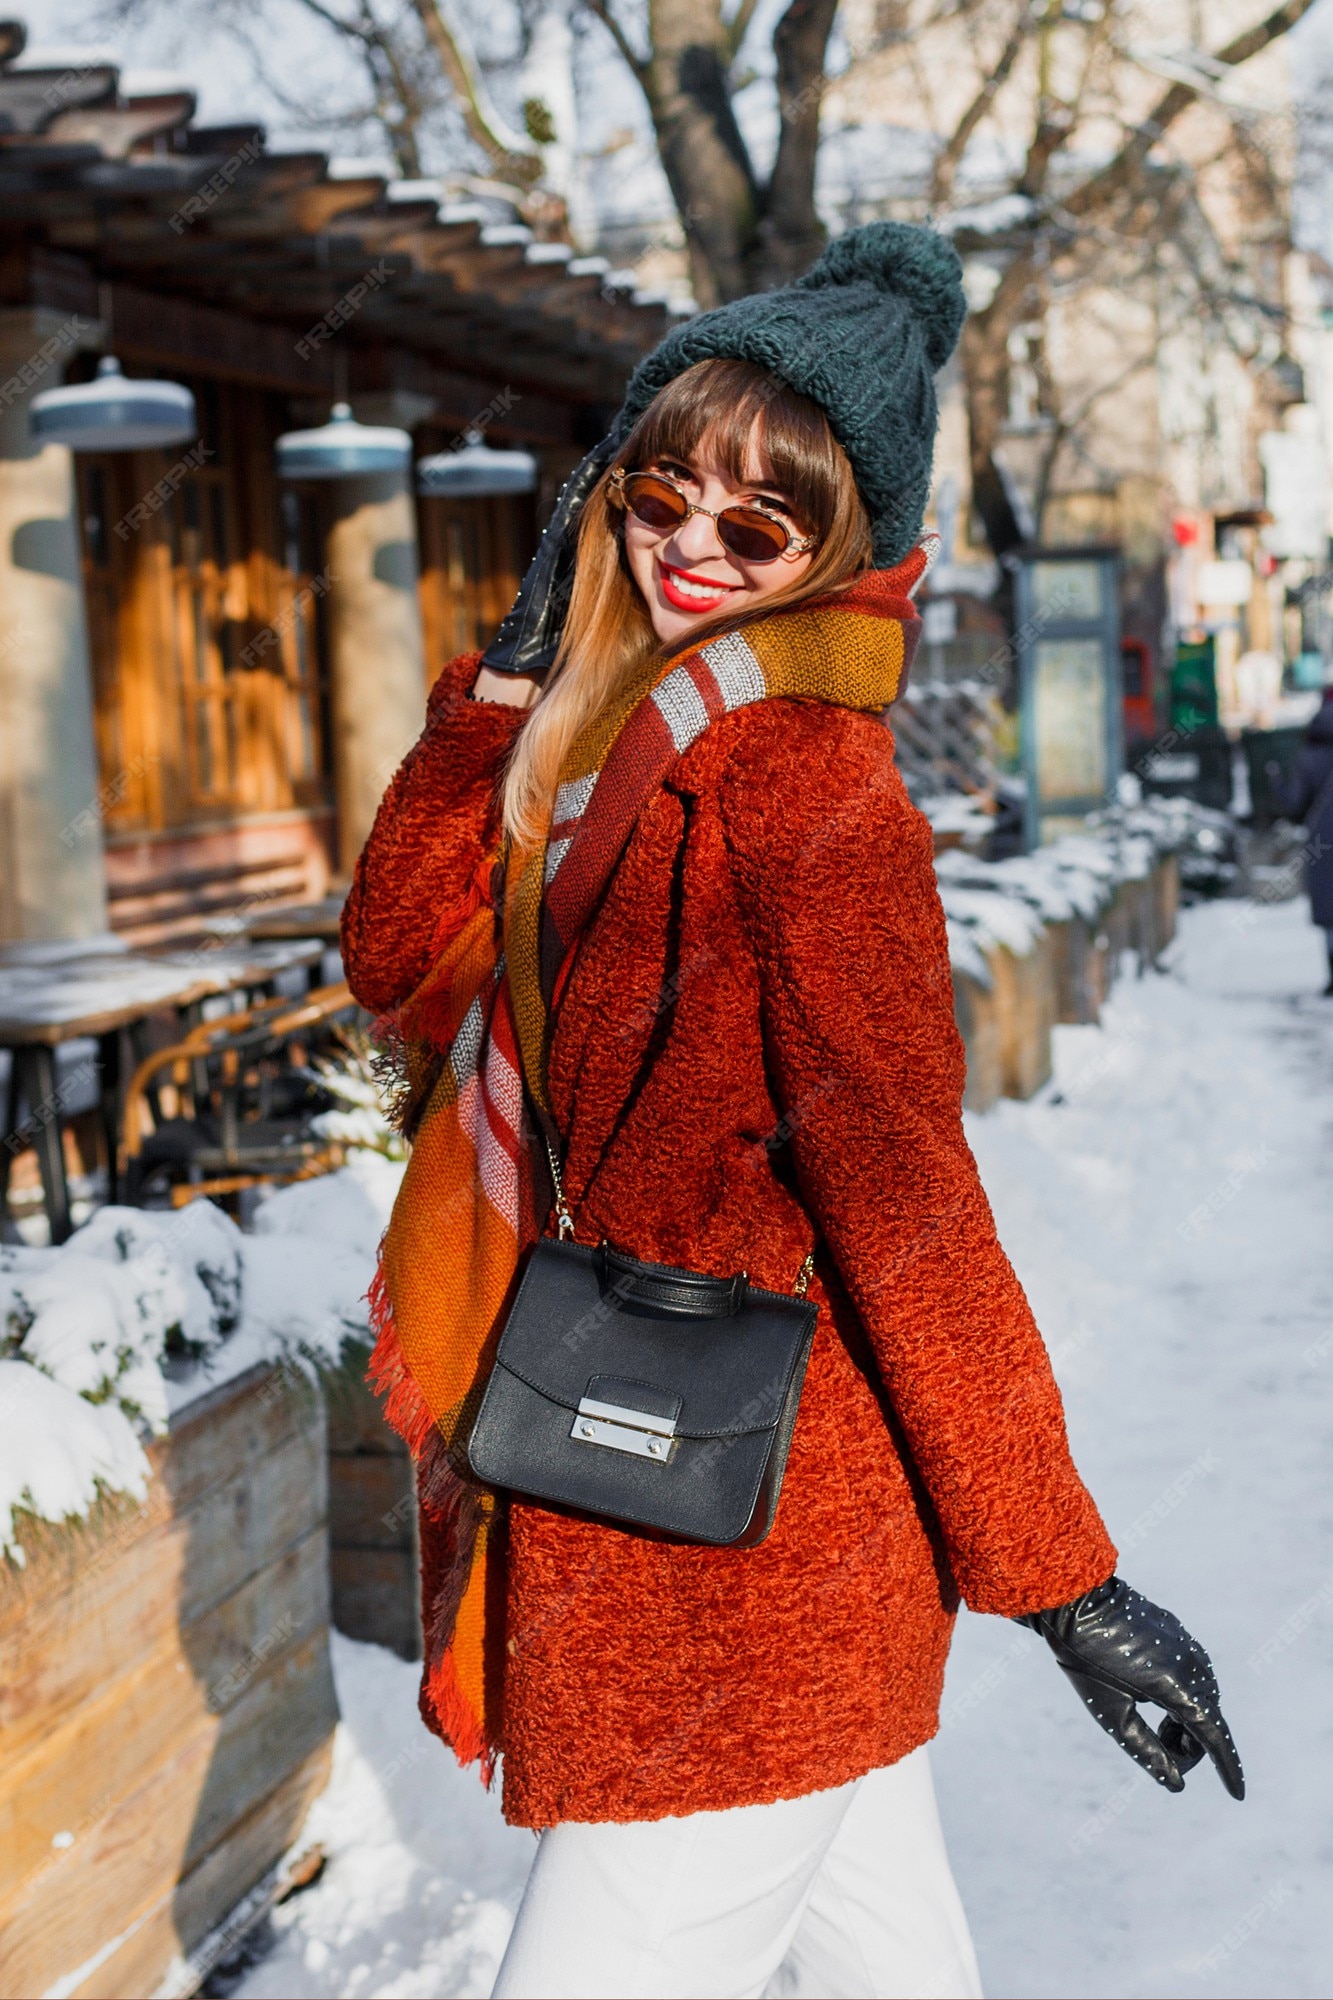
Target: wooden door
<point x="205" y="604"/>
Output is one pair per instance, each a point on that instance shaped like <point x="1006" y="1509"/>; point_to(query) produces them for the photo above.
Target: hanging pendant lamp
<point x="342" y="449"/>
<point x="113" y="413"/>
<point x="476" y="471"/>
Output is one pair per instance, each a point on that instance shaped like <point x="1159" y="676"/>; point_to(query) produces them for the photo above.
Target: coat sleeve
<point x="834" y="875"/>
<point x="1313" y="765"/>
<point x="436" y="828"/>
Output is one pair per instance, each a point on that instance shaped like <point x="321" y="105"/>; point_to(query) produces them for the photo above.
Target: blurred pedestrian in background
<point x="1310" y="798"/>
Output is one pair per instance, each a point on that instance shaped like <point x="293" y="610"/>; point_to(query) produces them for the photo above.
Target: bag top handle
<point x="689" y="1294"/>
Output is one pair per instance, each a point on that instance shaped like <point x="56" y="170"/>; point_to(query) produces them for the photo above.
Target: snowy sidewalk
<point x="1169" y="1207"/>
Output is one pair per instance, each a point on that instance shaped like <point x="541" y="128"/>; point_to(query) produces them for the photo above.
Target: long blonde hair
<point x="736" y="406"/>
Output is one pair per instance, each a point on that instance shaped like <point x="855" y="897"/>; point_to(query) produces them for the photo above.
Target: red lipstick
<point x="682" y="600"/>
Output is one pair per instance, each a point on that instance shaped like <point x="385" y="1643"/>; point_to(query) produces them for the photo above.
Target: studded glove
<point x="1118" y="1649"/>
<point x="529" y="632"/>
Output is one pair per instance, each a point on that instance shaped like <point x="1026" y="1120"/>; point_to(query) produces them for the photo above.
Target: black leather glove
<point x="1117" y="1649"/>
<point x="529" y="632"/>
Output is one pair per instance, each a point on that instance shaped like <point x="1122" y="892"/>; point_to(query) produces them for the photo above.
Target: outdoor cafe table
<point x="299" y="920"/>
<point x="99" y="996"/>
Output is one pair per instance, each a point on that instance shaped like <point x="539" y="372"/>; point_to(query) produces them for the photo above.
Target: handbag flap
<point x="725" y="1376"/>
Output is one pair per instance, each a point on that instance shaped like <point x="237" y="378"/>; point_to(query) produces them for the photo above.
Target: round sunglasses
<point x="752" y="534"/>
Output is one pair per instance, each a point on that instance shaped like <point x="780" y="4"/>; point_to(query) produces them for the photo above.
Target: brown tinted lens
<point x="653" y="502"/>
<point x="754" y="537"/>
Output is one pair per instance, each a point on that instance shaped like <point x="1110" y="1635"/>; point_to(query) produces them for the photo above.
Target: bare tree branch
<point x="1068" y="421"/>
<point x="791" y="234"/>
<point x="511" y="154"/>
<point x="1124" y="167"/>
<point x="352" y="30"/>
<point x="739" y="26"/>
<point x="628" y="54"/>
<point x="949" y="159"/>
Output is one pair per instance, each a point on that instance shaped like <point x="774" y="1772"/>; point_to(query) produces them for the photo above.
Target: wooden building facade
<point x="187" y="599"/>
<point x="213" y="754"/>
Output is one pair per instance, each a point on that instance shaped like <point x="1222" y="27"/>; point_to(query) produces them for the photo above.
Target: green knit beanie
<point x="861" y="334"/>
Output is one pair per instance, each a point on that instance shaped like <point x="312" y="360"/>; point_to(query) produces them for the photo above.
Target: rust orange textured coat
<point x="756" y="1044"/>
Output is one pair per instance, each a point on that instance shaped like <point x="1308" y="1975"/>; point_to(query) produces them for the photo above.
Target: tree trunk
<point x="703" y="154"/>
<point x="985" y="361"/>
<point x="791" y="235"/>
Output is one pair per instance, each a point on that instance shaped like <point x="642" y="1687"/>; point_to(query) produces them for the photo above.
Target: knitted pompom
<point x="917" y="265"/>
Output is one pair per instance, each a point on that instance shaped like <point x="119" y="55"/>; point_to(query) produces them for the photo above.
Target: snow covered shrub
<point x="87" y="1329"/>
<point x="310" y="1258"/>
<point x="96" y="1328"/>
<point x="350" y="1208"/>
<point x="59" y="1452"/>
<point x="352" y="1077"/>
<point x="207" y="1250"/>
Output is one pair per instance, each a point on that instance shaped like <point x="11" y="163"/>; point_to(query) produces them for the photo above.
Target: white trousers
<point x="841" y="1895"/>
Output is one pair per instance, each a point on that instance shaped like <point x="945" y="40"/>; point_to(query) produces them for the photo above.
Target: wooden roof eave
<point x="115" y="129"/>
<point x="407" y="227"/>
<point x="28" y="172"/>
<point x="461" y="301"/>
<point x="26" y="95"/>
<point x="528" y="360"/>
<point x="427" y="253"/>
<point x="417" y="318"/>
<point x="286" y="194"/>
<point x="282" y="283"/>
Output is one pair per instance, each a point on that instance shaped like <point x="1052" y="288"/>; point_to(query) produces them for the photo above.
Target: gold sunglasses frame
<point x="797" y="545"/>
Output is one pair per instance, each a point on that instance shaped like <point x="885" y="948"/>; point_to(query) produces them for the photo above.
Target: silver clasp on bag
<point x="624" y="1429"/>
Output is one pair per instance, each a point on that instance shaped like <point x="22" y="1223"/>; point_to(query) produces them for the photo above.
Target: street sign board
<point x="1069" y="678"/>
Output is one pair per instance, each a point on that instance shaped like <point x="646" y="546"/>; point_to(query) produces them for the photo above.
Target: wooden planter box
<point x="372" y="1520"/>
<point x="166" y="1699"/>
<point x="1142" y="917"/>
<point x="1080" y="964"/>
<point x="977" y="1012"/>
<point x="1006" y="1027"/>
<point x="1164" y="902"/>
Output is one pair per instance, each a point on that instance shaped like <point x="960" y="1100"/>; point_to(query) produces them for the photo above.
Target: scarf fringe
<point x="455" y="1510"/>
<point x="408" y="1061"/>
<point x="446" y="1713"/>
<point x="456" y="1514"/>
<point x="387" y="1372"/>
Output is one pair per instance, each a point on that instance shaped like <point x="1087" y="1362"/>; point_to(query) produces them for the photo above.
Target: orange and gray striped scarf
<point x="474" y="1038"/>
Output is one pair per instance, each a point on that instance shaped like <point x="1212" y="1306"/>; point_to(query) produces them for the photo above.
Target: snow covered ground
<point x="1168" y="1204"/>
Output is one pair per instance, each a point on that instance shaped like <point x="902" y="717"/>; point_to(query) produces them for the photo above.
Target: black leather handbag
<point x="654" y="1396"/>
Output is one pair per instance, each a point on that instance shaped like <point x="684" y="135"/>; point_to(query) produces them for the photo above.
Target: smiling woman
<point x="670" y="972"/>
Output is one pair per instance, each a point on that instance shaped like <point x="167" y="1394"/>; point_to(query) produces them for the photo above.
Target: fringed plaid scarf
<point x="476" y="1192"/>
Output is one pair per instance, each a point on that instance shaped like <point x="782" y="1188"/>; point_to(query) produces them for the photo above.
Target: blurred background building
<point x="207" y="671"/>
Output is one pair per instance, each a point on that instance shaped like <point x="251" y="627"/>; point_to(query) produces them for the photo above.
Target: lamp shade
<point x="113" y="413"/>
<point x="475" y="471"/>
<point x="342" y="449"/>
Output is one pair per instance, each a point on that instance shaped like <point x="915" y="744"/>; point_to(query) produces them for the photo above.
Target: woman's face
<point x="685" y="574"/>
